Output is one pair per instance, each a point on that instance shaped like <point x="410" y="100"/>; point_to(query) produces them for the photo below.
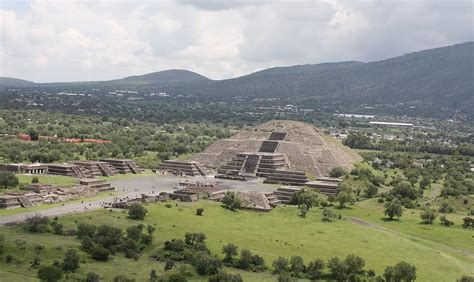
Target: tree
<point x="337" y="172"/>
<point x="445" y="221"/>
<point x="446" y="208"/>
<point x="101" y="254"/>
<point x="137" y="211"/>
<point x="245" y="259"/>
<point x="92" y="277"/>
<point x="315" y="269"/>
<point x="199" y="211"/>
<point x="225" y="277"/>
<point x="280" y="265"/>
<point x="306" y="197"/>
<point x="297" y="266"/>
<point x="36" y="223"/>
<point x="393" y="208"/>
<point x="71" y="261"/>
<point x="425" y="182"/>
<point x="50" y="273"/>
<point x="230" y="250"/>
<point x="231" y="201"/>
<point x="344" y="197"/>
<point x="402" y="271"/>
<point x="427" y="216"/>
<point x="8" y="179"/>
<point x="34" y="135"/>
<point x="2" y="244"/>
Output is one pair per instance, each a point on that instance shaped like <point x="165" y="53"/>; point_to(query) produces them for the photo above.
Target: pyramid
<point x="305" y="148"/>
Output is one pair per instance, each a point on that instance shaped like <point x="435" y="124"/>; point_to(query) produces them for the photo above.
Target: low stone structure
<point x="177" y="167"/>
<point x="99" y="185"/>
<point x="123" y="165"/>
<point x="193" y="191"/>
<point x="96" y="168"/>
<point x="35" y="168"/>
<point x="71" y="170"/>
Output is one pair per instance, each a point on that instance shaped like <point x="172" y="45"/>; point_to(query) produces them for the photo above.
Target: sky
<point x="47" y="41"/>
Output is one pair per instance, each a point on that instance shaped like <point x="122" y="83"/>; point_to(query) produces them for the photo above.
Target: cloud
<point x="98" y="40"/>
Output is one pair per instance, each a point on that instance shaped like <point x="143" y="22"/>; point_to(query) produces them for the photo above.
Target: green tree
<point x="36" y="223"/>
<point x="315" y="269"/>
<point x="50" y="273"/>
<point x="92" y="277"/>
<point x="401" y="272"/>
<point x="71" y="261"/>
<point x="297" y="266"/>
<point x="280" y="265"/>
<point x="337" y="172"/>
<point x="231" y="201"/>
<point x="393" y="208"/>
<point x="137" y="211"/>
<point x="8" y="180"/>
<point x="230" y="250"/>
<point x="427" y="216"/>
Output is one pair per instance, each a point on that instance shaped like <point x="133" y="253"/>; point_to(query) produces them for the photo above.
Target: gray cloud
<point x="77" y="40"/>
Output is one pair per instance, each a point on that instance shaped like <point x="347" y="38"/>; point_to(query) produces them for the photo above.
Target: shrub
<point x="100" y="254"/>
<point x="37" y="223"/>
<point x="199" y="211"/>
<point x="92" y="277"/>
<point x="297" y="266"/>
<point x="280" y="265"/>
<point x="137" y="211"/>
<point x="465" y="278"/>
<point x="328" y="215"/>
<point x="169" y="206"/>
<point x="231" y="201"/>
<point x="35" y="179"/>
<point x="315" y="269"/>
<point x="445" y="221"/>
<point x="337" y="172"/>
<point x="427" y="216"/>
<point x="8" y="180"/>
<point x="71" y="261"/>
<point x="402" y="271"/>
<point x="50" y="273"/>
<point x="122" y="278"/>
<point x="225" y="277"/>
<point x="57" y="228"/>
<point x="446" y="208"/>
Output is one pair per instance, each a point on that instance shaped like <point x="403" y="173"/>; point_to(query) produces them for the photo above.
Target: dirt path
<point x="409" y="237"/>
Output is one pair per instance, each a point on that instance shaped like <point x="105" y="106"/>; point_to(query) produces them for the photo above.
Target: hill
<point x="9" y="81"/>
<point x="438" y="77"/>
<point x="162" y="77"/>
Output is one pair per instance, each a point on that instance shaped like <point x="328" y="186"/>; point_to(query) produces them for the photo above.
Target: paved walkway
<point x="134" y="188"/>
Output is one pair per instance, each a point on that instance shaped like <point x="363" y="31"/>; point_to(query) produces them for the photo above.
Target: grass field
<point x="439" y="253"/>
<point x="54" y="180"/>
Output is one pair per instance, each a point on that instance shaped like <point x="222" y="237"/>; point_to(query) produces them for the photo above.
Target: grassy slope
<point x="279" y="232"/>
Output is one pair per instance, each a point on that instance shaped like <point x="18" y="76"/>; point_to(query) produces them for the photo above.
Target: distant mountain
<point x="9" y="81"/>
<point x="440" y="78"/>
<point x="162" y="77"/>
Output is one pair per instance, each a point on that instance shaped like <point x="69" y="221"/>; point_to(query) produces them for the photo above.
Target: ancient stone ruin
<point x="284" y="152"/>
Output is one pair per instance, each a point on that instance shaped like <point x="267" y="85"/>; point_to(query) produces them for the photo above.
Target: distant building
<point x="383" y="123"/>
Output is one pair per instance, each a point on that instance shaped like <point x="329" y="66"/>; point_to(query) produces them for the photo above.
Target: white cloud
<point x="97" y="40"/>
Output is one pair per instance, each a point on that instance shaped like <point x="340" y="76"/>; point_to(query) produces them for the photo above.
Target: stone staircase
<point x="78" y="172"/>
<point x="105" y="169"/>
<point x="282" y="195"/>
<point x="135" y="169"/>
<point x="25" y="202"/>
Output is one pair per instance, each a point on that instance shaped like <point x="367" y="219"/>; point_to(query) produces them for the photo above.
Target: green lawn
<point x="433" y="249"/>
<point x="54" y="180"/>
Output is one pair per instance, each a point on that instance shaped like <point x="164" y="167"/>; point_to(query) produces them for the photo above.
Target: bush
<point x="100" y="254"/>
<point x="35" y="179"/>
<point x="122" y="278"/>
<point x="57" y="228"/>
<point x="427" y="216"/>
<point x="402" y="271"/>
<point x="445" y="221"/>
<point x="466" y="278"/>
<point x="92" y="277"/>
<point x="446" y="208"/>
<point x="137" y="211"/>
<point x="231" y="201"/>
<point x="280" y="265"/>
<point x="50" y="273"/>
<point x="337" y="172"/>
<point x="199" y="211"/>
<point x="8" y="180"/>
<point x="225" y="277"/>
<point x="37" y="223"/>
<point x="71" y="261"/>
<point x="169" y="206"/>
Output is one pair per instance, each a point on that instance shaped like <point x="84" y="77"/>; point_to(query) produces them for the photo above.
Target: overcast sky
<point x="48" y="41"/>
